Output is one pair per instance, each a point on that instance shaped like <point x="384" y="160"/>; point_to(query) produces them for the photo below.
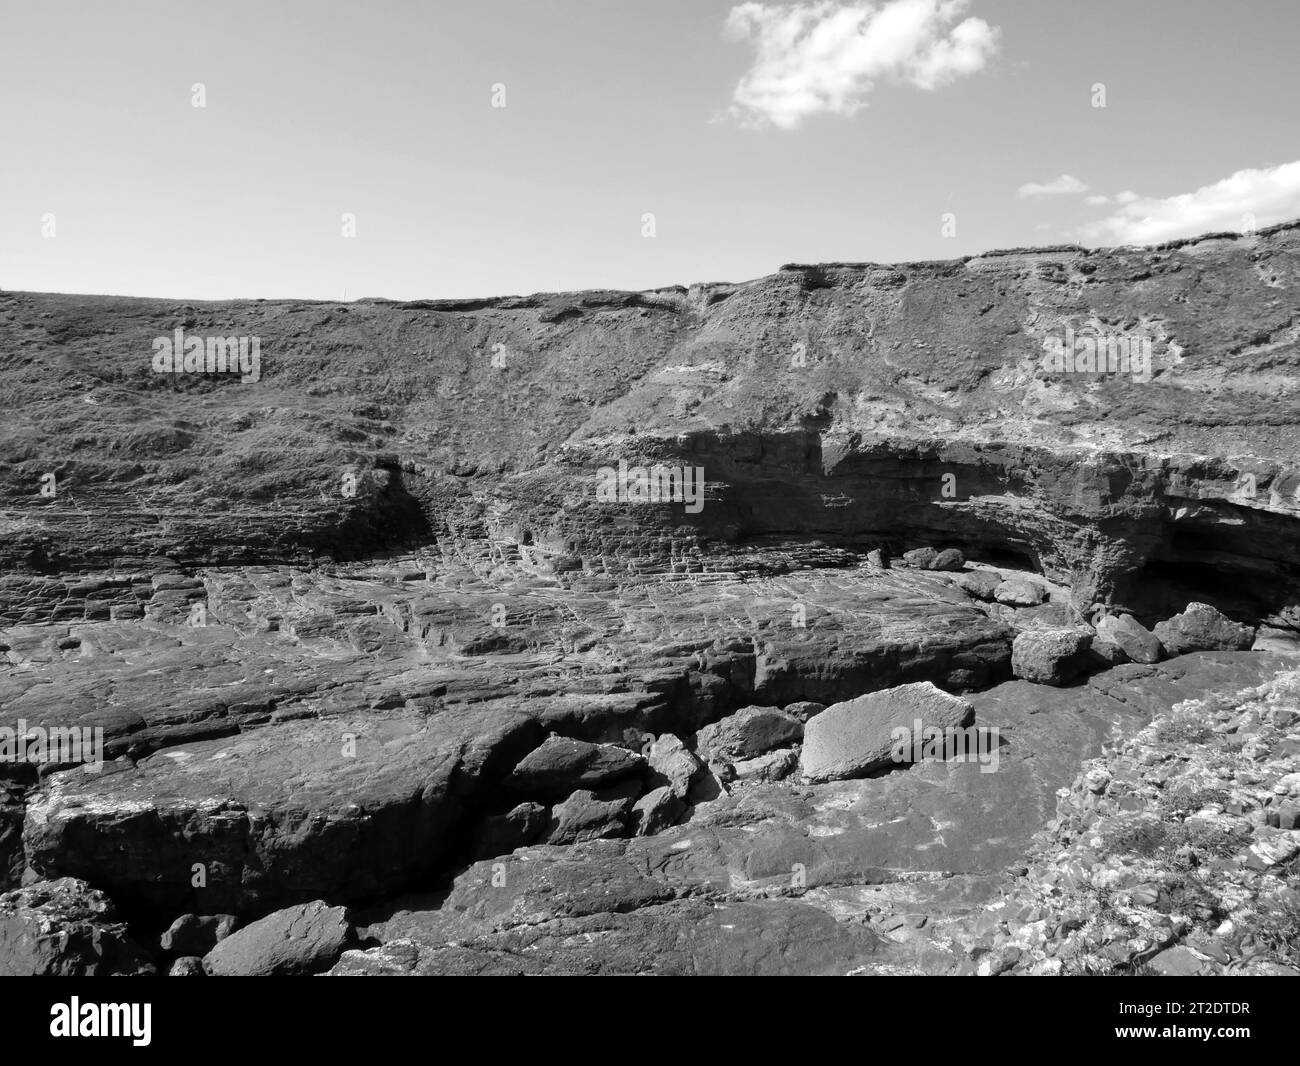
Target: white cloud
<point x="823" y="56"/>
<point x="1125" y="197"/>
<point x="1247" y="200"/>
<point x="1062" y="186"/>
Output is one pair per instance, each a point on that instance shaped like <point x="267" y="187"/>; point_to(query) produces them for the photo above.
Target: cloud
<point x="1125" y="197"/>
<point x="1062" y="186"/>
<point x="1247" y="200"/>
<point x="825" y="57"/>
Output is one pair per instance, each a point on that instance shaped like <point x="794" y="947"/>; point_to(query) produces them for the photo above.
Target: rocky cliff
<point x="325" y="608"/>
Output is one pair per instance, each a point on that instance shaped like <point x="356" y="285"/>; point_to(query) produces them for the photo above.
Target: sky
<point x="403" y="149"/>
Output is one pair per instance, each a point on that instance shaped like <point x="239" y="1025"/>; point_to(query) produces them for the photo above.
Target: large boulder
<point x="774" y="766"/>
<point x="305" y="939"/>
<point x="1131" y="637"/>
<point x="1270" y="638"/>
<point x="656" y="810"/>
<point x="65" y="928"/>
<point x="587" y="815"/>
<point x="748" y="733"/>
<point x="981" y="584"/>
<point x="854" y="738"/>
<point x="1020" y="592"/>
<point x="1203" y="628"/>
<point x="933" y="559"/>
<point x="1104" y="655"/>
<point x="1050" y="656"/>
<point x="561" y="766"/>
<point x="672" y="764"/>
<point x="949" y="559"/>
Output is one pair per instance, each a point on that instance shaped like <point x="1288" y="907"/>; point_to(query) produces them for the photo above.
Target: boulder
<point x="585" y="815"/>
<point x="656" y="810"/>
<point x="854" y="738"/>
<point x="673" y="764"/>
<point x="949" y="559"/>
<point x="187" y="966"/>
<point x="774" y="766"/>
<point x="561" y="766"/>
<point x="1203" y="628"/>
<point x="920" y="558"/>
<point x="877" y="559"/>
<point x="749" y="732"/>
<point x="710" y="785"/>
<point x="1270" y="638"/>
<point x="197" y="934"/>
<point x="981" y="584"/>
<point x="1126" y="632"/>
<point x="1020" y="592"/>
<point x="305" y="939"/>
<point x="1044" y="616"/>
<point x="1050" y="656"/>
<point x="1104" y="654"/>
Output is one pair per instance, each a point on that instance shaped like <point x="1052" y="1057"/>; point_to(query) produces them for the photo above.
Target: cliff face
<point x="851" y="406"/>
<point x="320" y="616"/>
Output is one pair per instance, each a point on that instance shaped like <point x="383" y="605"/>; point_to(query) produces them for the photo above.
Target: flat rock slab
<point x="343" y="807"/>
<point x="680" y="938"/>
